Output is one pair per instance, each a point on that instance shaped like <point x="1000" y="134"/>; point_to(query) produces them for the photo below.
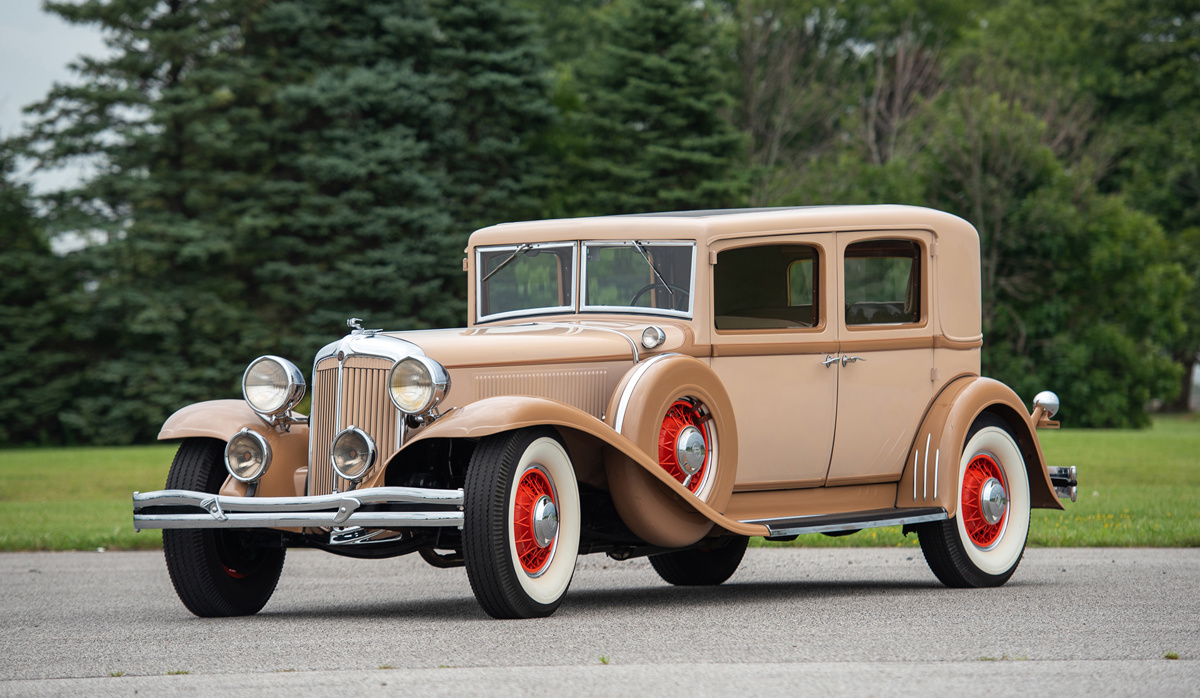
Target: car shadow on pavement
<point x="632" y="601"/>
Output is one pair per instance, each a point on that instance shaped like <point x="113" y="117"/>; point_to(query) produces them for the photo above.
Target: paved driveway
<point x="831" y="621"/>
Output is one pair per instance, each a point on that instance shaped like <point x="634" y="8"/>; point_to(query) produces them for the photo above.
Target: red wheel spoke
<point x="681" y="415"/>
<point x="532" y="487"/>
<point x="981" y="469"/>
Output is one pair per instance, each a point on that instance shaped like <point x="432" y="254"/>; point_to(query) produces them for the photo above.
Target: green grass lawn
<point x="1137" y="488"/>
<point x="78" y="498"/>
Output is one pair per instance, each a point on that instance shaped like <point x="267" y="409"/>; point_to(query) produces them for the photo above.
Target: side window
<point x="766" y="287"/>
<point x="883" y="282"/>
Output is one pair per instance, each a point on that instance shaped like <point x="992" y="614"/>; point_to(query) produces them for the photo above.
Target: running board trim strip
<point x="831" y="523"/>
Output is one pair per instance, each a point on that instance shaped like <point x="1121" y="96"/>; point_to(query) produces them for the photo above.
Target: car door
<point x="884" y="318"/>
<point x="774" y="331"/>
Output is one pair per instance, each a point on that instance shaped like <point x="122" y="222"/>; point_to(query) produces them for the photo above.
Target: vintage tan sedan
<point x="663" y="385"/>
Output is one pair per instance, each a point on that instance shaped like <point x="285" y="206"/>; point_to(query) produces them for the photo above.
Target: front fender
<point x="931" y="475"/>
<point x="221" y="419"/>
<point x="499" y="414"/>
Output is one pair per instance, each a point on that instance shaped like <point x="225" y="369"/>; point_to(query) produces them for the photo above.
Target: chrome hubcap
<point x="545" y="521"/>
<point x="993" y="500"/>
<point x="690" y="450"/>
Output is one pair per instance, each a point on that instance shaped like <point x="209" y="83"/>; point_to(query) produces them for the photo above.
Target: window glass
<point x="526" y="278"/>
<point x="766" y="287"/>
<point x="651" y="275"/>
<point x="800" y="282"/>
<point x="882" y="282"/>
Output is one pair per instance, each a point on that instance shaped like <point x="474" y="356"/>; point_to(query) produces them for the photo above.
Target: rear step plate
<point x="830" y="523"/>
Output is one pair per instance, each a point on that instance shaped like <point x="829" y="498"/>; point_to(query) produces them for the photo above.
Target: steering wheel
<point x="680" y="296"/>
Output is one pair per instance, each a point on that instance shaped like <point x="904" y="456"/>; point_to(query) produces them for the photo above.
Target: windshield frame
<point x="637" y="310"/>
<point x="481" y="272"/>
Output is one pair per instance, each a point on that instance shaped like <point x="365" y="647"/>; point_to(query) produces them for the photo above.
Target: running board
<point x="854" y="521"/>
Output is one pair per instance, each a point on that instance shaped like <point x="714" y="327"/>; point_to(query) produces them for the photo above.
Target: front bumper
<point x="375" y="507"/>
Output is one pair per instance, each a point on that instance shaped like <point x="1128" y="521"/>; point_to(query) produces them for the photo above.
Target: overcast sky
<point x="35" y="49"/>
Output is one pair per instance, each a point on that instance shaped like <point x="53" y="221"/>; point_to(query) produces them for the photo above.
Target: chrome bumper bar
<point x="323" y="511"/>
<point x="1064" y="480"/>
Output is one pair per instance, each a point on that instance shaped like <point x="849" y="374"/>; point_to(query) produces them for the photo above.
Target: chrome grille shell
<point x="350" y="387"/>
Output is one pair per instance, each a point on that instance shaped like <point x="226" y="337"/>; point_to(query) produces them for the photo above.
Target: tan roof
<point x="706" y="226"/>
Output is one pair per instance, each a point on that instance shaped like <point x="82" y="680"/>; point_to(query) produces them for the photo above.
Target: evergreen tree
<point x="38" y="360"/>
<point x="498" y="82"/>
<point x="652" y="121"/>
<point x="269" y="169"/>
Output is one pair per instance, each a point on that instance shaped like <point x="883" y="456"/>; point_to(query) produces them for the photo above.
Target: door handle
<point x="851" y="359"/>
<point x="830" y="361"/>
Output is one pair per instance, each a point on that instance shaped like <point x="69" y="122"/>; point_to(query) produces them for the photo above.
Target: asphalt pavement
<point x="863" y="621"/>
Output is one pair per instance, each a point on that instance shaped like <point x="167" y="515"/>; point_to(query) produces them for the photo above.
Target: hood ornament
<point x="355" y="325"/>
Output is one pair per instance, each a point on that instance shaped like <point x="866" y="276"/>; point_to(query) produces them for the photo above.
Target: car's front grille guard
<point x="352" y="392"/>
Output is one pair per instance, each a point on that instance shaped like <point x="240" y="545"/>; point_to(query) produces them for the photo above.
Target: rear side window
<point x="883" y="282"/>
<point x="766" y="287"/>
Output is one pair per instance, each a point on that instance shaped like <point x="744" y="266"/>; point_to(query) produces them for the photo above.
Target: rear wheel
<point x="521" y="523"/>
<point x="983" y="544"/>
<point x="216" y="572"/>
<point x="702" y="566"/>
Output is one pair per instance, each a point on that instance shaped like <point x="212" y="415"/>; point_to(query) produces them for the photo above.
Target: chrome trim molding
<point x="924" y="465"/>
<point x="832" y="523"/>
<point x="321" y="511"/>
<point x="383" y="346"/>
<point x="619" y="422"/>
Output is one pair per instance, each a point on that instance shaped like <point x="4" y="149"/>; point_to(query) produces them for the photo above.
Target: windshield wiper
<point x="519" y="251"/>
<point x="638" y="246"/>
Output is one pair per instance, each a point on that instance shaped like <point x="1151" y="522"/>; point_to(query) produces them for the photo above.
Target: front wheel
<point x="216" y="572"/>
<point x="982" y="545"/>
<point x="701" y="566"/>
<point x="521" y="523"/>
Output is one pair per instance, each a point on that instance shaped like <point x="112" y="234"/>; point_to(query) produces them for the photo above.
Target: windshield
<point x="633" y="275"/>
<point x="617" y="276"/>
<point x="525" y="279"/>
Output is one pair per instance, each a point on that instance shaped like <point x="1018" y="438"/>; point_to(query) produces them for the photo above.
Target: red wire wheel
<point x="981" y="468"/>
<point x="680" y="415"/>
<point x="533" y="486"/>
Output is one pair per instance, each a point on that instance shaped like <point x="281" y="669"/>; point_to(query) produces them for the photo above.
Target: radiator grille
<point x="584" y="389"/>
<point x="365" y="404"/>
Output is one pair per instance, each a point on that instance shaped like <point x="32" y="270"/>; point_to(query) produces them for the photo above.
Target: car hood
<point x="524" y="344"/>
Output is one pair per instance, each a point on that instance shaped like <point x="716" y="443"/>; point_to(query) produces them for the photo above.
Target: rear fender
<point x="931" y="475"/>
<point x="221" y="419"/>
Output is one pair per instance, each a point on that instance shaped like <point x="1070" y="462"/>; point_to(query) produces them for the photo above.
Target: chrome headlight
<point x="272" y="385"/>
<point x="353" y="453"/>
<point x="247" y="456"/>
<point x="418" y="384"/>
